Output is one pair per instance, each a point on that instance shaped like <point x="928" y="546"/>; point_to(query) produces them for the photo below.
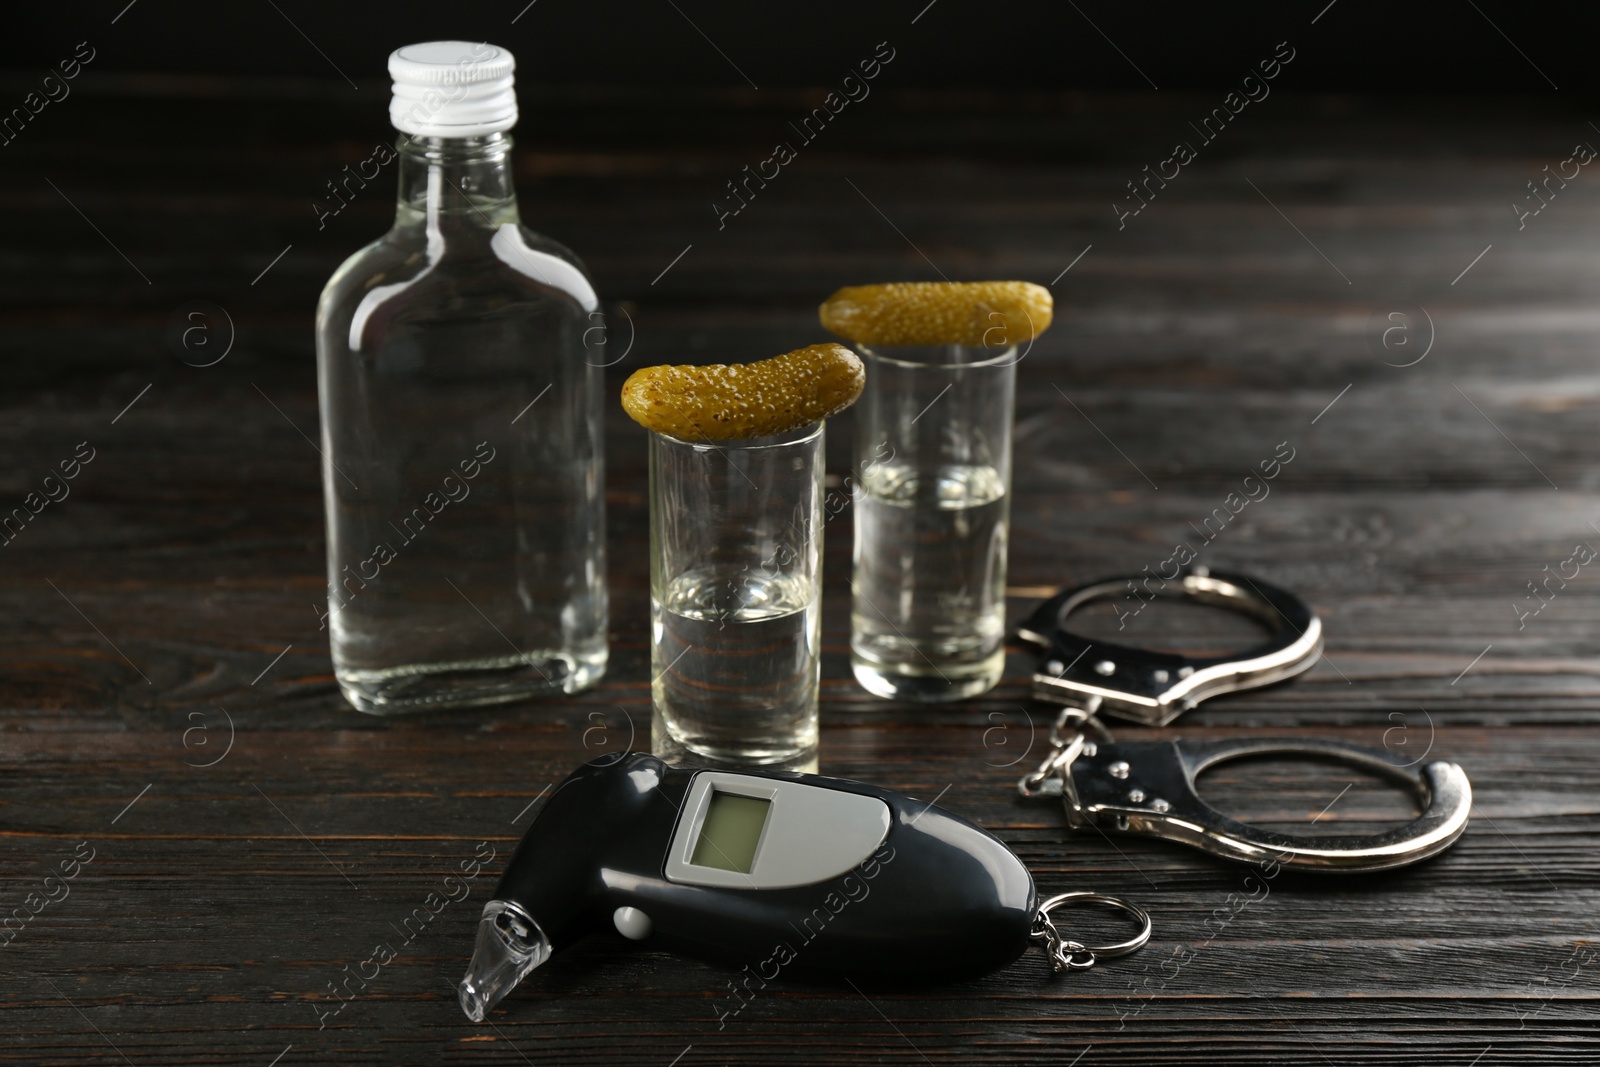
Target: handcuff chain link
<point x="1064" y="749"/>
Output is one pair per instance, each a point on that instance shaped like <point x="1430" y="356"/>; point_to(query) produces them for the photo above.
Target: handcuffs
<point x="1148" y="787"/>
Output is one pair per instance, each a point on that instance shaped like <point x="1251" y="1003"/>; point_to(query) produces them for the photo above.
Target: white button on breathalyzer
<point x="632" y="923"/>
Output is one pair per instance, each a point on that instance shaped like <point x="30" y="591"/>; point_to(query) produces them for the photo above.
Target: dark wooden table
<point x="167" y="705"/>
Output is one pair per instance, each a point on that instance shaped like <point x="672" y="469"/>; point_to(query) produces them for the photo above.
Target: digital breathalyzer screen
<point x="729" y="835"/>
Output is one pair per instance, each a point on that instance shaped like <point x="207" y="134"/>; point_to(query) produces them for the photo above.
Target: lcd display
<point x="731" y="831"/>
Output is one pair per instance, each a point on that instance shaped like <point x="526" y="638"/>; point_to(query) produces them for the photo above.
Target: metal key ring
<point x="1072" y="953"/>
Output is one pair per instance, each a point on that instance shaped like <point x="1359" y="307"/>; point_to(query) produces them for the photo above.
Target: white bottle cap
<point x="452" y="89"/>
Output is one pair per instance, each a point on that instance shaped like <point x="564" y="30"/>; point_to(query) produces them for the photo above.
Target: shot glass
<point x="735" y="592"/>
<point x="932" y="489"/>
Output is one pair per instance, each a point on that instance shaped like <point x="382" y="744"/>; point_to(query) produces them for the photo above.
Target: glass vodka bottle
<point x="461" y="422"/>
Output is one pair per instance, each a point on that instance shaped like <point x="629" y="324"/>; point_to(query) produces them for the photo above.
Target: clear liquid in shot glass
<point x="928" y="611"/>
<point x="736" y="665"/>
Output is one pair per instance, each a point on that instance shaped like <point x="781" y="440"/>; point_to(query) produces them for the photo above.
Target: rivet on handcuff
<point x="1148" y="787"/>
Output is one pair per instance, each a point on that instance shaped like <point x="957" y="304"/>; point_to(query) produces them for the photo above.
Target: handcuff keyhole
<point x="1306" y="796"/>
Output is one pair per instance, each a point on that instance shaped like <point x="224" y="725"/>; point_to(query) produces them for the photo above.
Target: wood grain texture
<point x="145" y="611"/>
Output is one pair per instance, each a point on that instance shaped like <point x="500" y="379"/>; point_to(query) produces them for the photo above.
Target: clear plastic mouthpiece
<point x="510" y="944"/>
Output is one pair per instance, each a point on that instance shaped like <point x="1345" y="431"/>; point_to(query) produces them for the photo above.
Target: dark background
<point x="1362" y="46"/>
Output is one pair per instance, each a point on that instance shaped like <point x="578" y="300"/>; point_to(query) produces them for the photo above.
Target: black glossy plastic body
<point x="939" y="899"/>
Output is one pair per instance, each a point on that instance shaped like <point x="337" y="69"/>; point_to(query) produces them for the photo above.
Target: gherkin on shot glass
<point x="932" y="478"/>
<point x="736" y="472"/>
